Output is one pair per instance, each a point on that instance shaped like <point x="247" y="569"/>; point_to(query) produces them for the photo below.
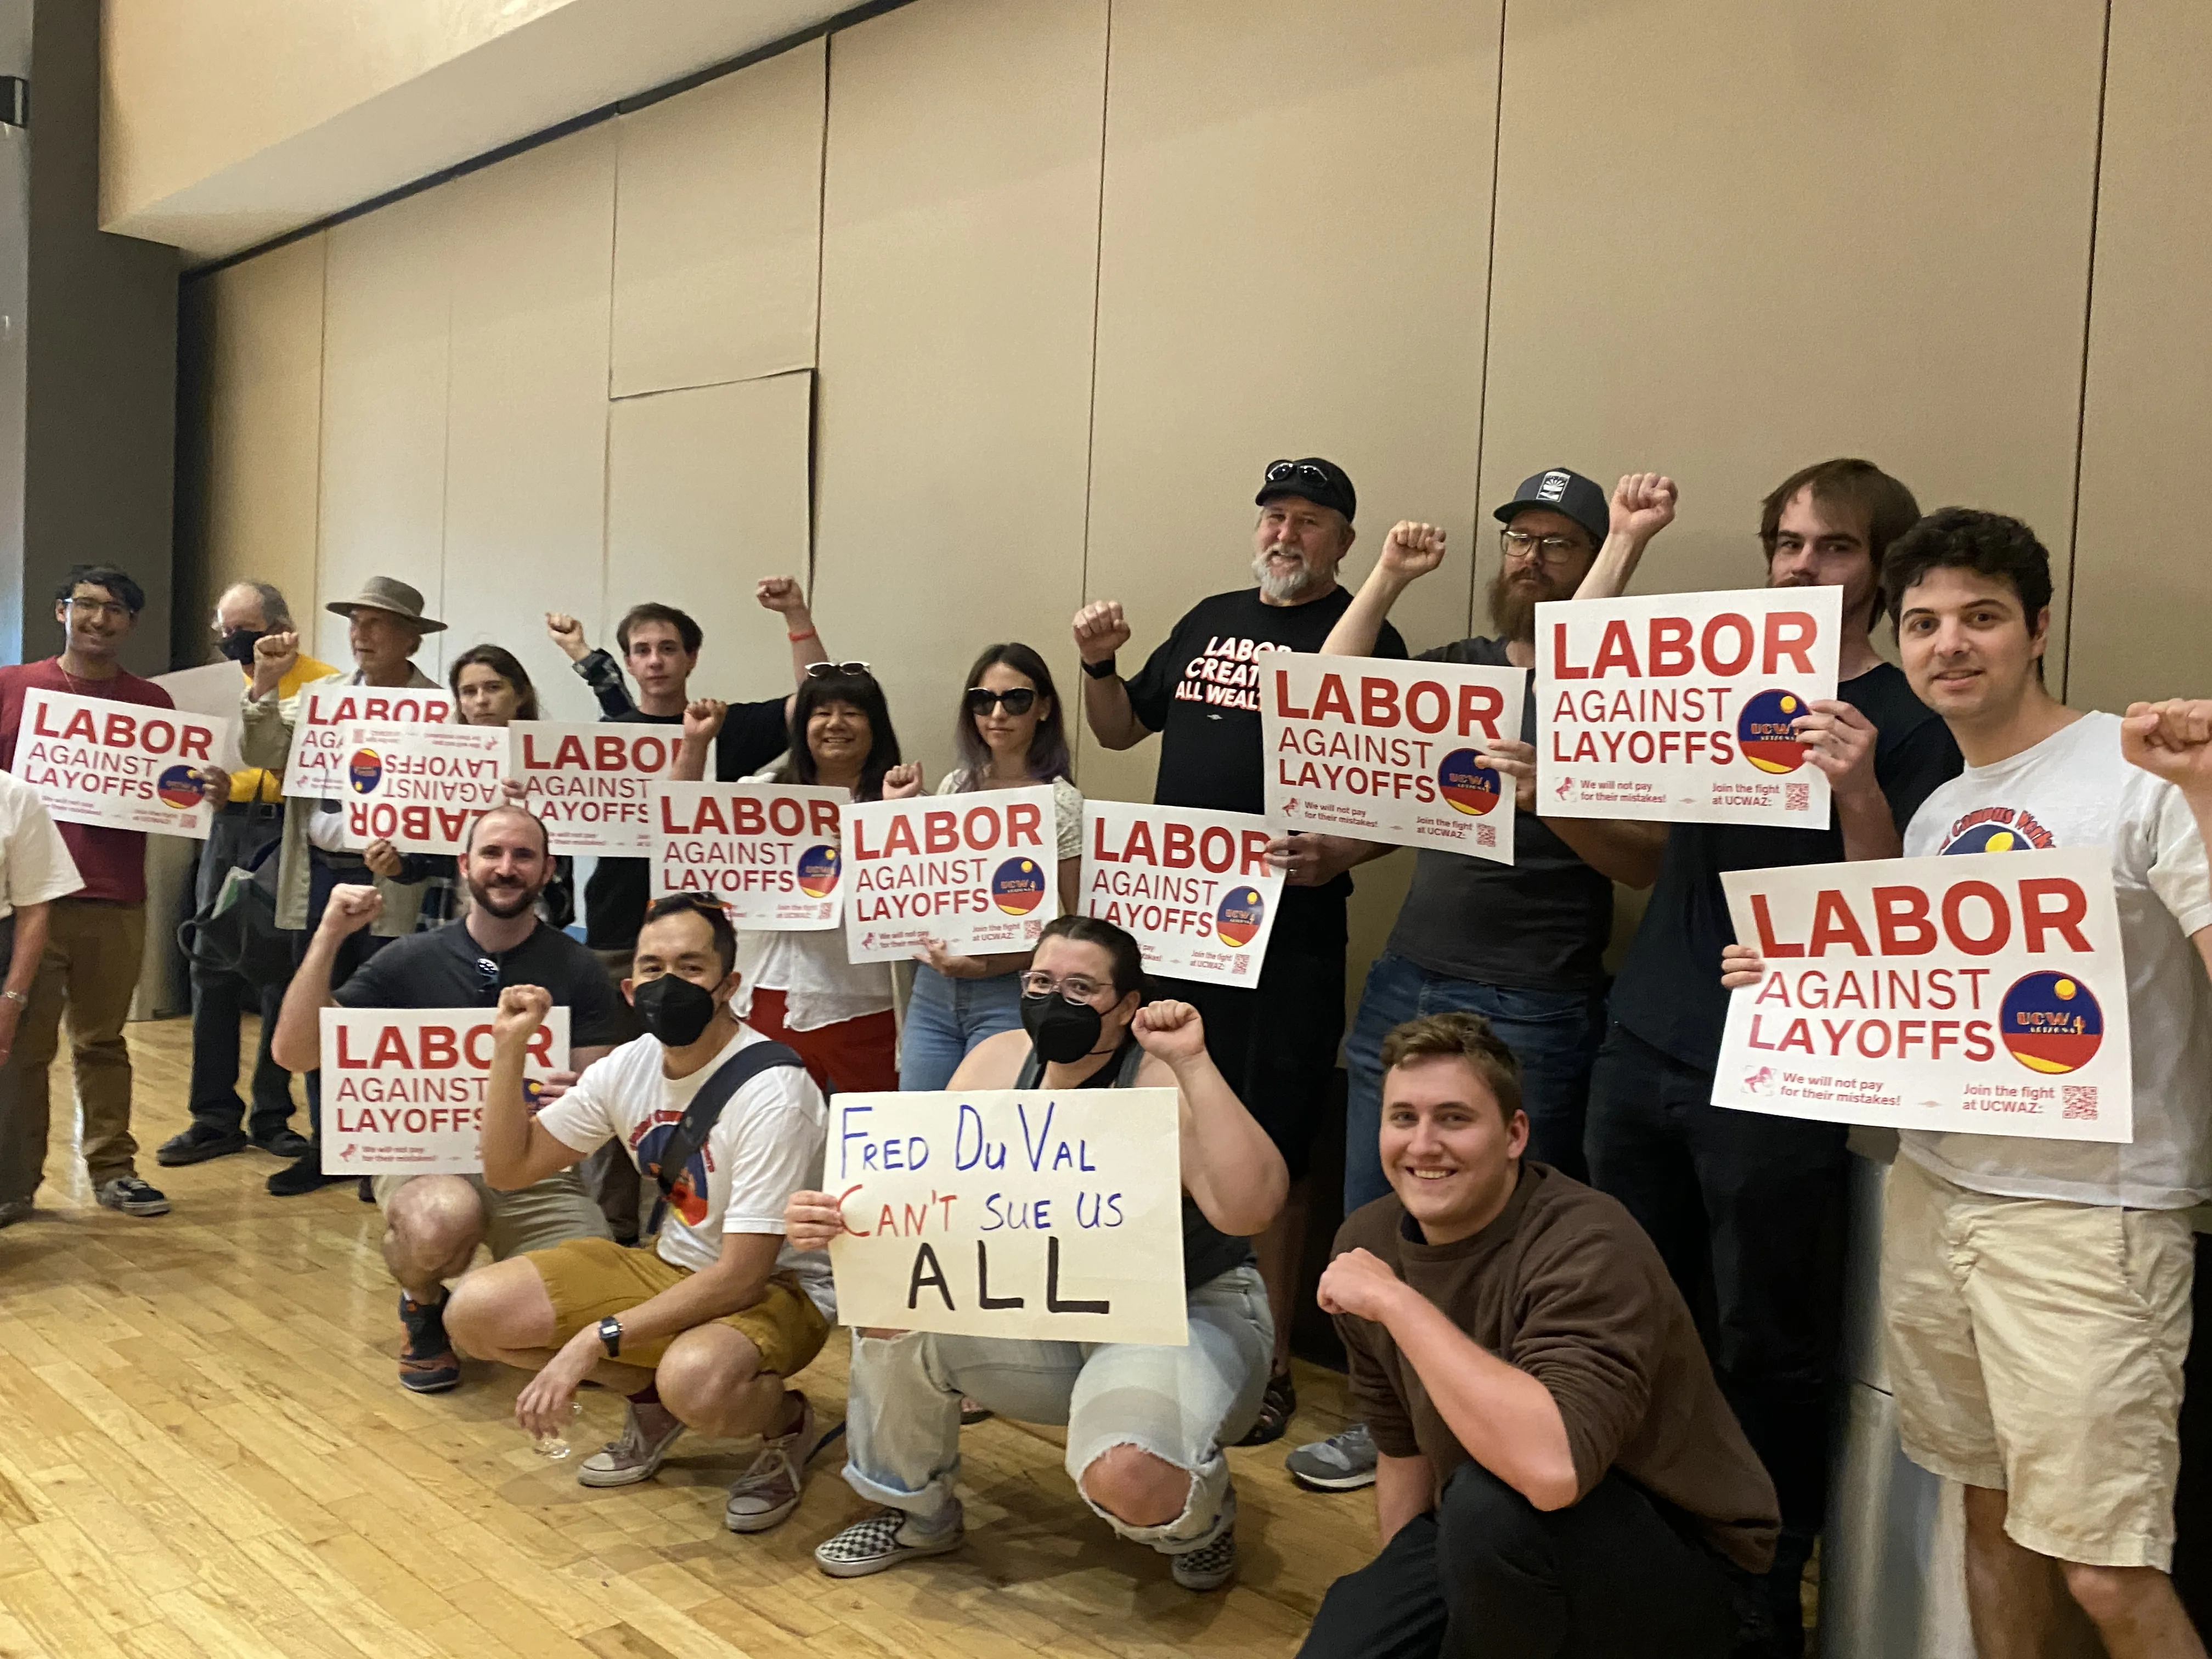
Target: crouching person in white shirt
<point x="701" y="1330"/>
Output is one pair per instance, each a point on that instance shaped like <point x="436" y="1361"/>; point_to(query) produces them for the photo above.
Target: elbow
<point x="1550" y="1492"/>
<point x="292" y="1055"/>
<point x="503" y="1174"/>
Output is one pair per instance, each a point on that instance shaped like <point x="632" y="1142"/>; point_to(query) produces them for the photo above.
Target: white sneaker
<point x="765" y="1494"/>
<point x="636" y="1457"/>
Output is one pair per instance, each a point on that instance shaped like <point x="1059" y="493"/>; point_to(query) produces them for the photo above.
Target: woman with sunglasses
<point x="1009" y="736"/>
<point x="798" y="988"/>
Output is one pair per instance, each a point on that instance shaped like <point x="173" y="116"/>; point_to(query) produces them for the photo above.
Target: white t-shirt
<point x="2076" y="789"/>
<point x="35" y="865"/>
<point x="766" y="1145"/>
<point x="822" y="986"/>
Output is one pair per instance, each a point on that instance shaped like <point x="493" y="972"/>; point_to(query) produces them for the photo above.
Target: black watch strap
<point x="610" y="1335"/>
<point x="1100" y="670"/>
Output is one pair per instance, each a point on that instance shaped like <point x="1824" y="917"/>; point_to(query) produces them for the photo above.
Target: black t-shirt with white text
<point x="1200" y="691"/>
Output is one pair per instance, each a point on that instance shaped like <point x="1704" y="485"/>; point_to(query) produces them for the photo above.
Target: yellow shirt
<point x="250" y="783"/>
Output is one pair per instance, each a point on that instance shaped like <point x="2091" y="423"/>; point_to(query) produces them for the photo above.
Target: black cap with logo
<point x="1322" y="482"/>
<point x="1581" y="499"/>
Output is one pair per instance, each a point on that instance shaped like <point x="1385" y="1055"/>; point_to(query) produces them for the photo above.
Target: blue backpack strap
<point x="706" y="1108"/>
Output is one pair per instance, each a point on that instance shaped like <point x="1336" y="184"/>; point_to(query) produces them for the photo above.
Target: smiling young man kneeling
<point x="1558" y="1474"/>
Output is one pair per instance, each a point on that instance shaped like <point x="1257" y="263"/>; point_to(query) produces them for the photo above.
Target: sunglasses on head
<point x="837" y="670"/>
<point x="1019" y="701"/>
<point x="1302" y="471"/>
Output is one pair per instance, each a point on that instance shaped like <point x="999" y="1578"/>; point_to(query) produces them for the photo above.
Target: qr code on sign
<point x="1486" y="835"/>
<point x="1797" y="797"/>
<point x="2078" y="1103"/>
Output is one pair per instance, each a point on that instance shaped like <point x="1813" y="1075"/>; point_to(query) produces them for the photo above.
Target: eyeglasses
<point x="108" y="608"/>
<point x="1075" y="988"/>
<point x="1019" y="701"/>
<point x="1545" y="549"/>
<point x="837" y="670"/>
<point x="1300" y="471"/>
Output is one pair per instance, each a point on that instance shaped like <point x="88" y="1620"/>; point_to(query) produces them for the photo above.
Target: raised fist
<point x="1643" y="505"/>
<point x="522" y="1009"/>
<point x="1172" y="1031"/>
<point x="275" y="656"/>
<point x="703" y="718"/>
<point x="568" y="634"/>
<point x="781" y="594"/>
<point x="1411" y="550"/>
<point x="352" y="907"/>
<point x="1100" y="630"/>
<point x="2171" y="740"/>
<point x="902" y="781"/>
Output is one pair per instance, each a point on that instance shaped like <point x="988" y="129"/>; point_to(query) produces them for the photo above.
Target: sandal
<point x="1276" y="1407"/>
<point x="971" y="1414"/>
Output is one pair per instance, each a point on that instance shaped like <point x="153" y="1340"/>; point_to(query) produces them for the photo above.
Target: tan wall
<point x="986" y="306"/>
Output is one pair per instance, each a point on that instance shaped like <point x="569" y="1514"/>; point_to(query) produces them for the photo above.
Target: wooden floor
<point x="204" y="1451"/>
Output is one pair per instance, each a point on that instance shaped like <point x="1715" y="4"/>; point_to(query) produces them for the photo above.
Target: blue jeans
<point x="946" y="1017"/>
<point x="1554" y="1034"/>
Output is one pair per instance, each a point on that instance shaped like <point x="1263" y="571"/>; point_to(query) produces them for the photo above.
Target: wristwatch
<point x="1100" y="670"/>
<point x="610" y="1335"/>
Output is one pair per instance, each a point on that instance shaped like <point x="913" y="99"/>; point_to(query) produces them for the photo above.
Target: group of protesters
<point x="1592" y="1319"/>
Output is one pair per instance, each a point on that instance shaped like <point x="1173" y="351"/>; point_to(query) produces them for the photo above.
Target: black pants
<point x="1487" y="1573"/>
<point x="324" y="880"/>
<point x="219" y="999"/>
<point x="1747" y="1210"/>
<point x="1276" y="1043"/>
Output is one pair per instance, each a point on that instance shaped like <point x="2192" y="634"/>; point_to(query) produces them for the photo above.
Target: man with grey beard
<point x="1519" y="944"/>
<point x="1275" y="1043"/>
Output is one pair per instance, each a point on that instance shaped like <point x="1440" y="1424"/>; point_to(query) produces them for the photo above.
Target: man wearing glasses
<point x="433" y="1223"/>
<point x="96" y="936"/>
<point x="1199" y="690"/>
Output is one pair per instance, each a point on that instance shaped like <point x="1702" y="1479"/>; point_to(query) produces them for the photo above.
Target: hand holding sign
<point x="1100" y="630"/>
<point x="1511" y="758"/>
<point x="1740" y="965"/>
<point x="810" y="1220"/>
<point x="1411" y="550"/>
<point x="275" y="656"/>
<point x="2171" y="740"/>
<point x="384" y="859"/>
<point x="1840" y="741"/>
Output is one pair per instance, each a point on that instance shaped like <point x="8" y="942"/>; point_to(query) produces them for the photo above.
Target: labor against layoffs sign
<point x="317" y="767"/>
<point x="591" y="785"/>
<point x="979" y="872"/>
<point x="404" y="1088"/>
<point x="1194" y="888"/>
<point x="125" y="765"/>
<point x="1011" y="1212"/>
<point x="771" y="851"/>
<point x="1679" y="706"/>
<point x="419" y="788"/>
<point x="1390" y="750"/>
<point x="1984" y="994"/>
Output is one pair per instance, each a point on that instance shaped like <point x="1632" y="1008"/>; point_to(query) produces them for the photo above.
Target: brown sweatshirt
<point x="1566" y="1287"/>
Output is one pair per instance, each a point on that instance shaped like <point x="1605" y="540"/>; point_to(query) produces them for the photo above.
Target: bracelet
<point x="19" y="999"/>
<point x="1100" y="670"/>
<point x="809" y="634"/>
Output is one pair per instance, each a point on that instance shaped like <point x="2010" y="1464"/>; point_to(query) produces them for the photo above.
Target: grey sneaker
<point x="14" y="1210"/>
<point x="765" y="1494"/>
<point x="884" y="1540"/>
<point x="132" y="1196"/>
<point x="637" y="1456"/>
<point x="1210" y="1565"/>
<point x="1343" y="1462"/>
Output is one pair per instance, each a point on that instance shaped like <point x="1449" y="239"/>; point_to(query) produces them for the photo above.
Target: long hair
<point x="863" y="693"/>
<point x="1047" y="758"/>
<point x="501" y="662"/>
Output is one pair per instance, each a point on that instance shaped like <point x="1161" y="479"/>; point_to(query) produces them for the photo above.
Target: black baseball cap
<point x="1584" y="500"/>
<point x="1322" y="482"/>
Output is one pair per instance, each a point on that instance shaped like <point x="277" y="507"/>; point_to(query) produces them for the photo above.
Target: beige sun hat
<point x="388" y="593"/>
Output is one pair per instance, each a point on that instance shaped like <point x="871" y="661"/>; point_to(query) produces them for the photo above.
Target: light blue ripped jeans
<point x="1181" y="1404"/>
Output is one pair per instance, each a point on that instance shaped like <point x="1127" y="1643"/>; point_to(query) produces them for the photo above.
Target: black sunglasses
<point x="1019" y="701"/>
<point x="1305" y="471"/>
<point x="837" y="670"/>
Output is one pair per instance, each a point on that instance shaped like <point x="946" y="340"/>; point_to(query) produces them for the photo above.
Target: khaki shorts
<point x="2036" y="1347"/>
<point x="590" y="1278"/>
<point x="555" y="1211"/>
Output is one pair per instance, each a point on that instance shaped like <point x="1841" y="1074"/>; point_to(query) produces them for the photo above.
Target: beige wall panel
<point x="265" y="370"/>
<point x="706" y="495"/>
<point x="959" y="261"/>
<point x="526" y="475"/>
<point x="718" y="228"/>
<point x="2142" y="587"/>
<point x="1734" y="238"/>
<point x="386" y="319"/>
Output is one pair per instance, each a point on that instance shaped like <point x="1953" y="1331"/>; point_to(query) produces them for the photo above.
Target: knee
<point x="1480" y="1517"/>
<point x="699" y="1378"/>
<point x="1135" y="1487"/>
<point x="486" y="1314"/>
<point x="434" y="1219"/>
<point x="2110" y="1595"/>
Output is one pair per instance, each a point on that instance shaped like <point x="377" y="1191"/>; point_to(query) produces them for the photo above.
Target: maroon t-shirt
<point x="111" y="861"/>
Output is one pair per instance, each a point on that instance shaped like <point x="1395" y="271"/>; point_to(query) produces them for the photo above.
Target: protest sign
<point x="317" y="767"/>
<point x="979" y="872"/>
<point x="771" y="850"/>
<point x="419" y="788"/>
<point x="1678" y="706"/>
<point x="405" y="1087"/>
<point x="124" y="765"/>
<point x="592" y="784"/>
<point x="1390" y="750"/>
<point x="1194" y="888"/>
<point x="1011" y="1212"/>
<point x="1982" y="994"/>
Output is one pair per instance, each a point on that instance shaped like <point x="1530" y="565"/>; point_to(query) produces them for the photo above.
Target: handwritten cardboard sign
<point x="1391" y="750"/>
<point x="1011" y="1212"/>
<point x="592" y="784"/>
<point x="419" y="788"/>
<point x="771" y="850"/>
<point x="317" y="767"/>
<point x="404" y="1088"/>
<point x="1194" y="888"/>
<point x="1982" y="994"/>
<point x="1678" y="706"/>
<point x="979" y="872"/>
<point x="121" y="764"/>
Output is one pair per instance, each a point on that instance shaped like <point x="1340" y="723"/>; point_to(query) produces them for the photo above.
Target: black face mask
<point x="674" y="1010"/>
<point x="238" y="645"/>
<point x="1064" y="1031"/>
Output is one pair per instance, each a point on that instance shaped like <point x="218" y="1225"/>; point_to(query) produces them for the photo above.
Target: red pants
<point x="859" y="1057"/>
